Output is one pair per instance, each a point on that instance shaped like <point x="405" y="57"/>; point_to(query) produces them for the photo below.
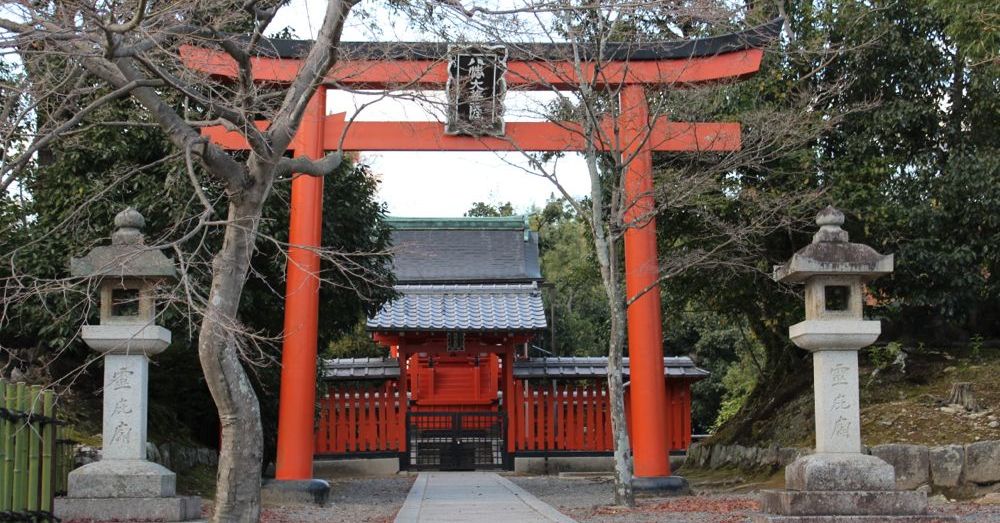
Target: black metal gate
<point x="456" y="440"/>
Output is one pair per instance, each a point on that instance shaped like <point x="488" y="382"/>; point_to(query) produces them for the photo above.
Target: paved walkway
<point x="474" y="497"/>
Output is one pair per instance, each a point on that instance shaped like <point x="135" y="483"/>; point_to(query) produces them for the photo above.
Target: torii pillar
<point x="298" y="355"/>
<point x="651" y="454"/>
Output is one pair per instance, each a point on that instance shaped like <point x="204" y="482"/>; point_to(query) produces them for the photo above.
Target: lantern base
<point x="840" y="472"/>
<point x="122" y="478"/>
<point x="181" y="508"/>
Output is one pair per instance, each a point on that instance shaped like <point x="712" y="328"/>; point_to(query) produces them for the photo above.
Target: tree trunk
<point x="616" y="392"/>
<point x="616" y="347"/>
<point x="786" y="375"/>
<point x="961" y="394"/>
<point x="238" y="481"/>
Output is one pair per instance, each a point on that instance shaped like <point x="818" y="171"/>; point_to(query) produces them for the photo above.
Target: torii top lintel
<point x="377" y="65"/>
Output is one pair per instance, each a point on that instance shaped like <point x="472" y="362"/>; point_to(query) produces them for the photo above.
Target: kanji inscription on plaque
<point x="476" y="90"/>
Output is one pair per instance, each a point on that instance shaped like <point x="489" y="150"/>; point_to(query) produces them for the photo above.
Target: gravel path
<point x="589" y="501"/>
<point x="374" y="500"/>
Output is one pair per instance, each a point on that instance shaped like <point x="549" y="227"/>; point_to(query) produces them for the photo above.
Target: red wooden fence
<point x="577" y="417"/>
<point x="573" y="417"/>
<point x="562" y="417"/>
<point x="360" y="419"/>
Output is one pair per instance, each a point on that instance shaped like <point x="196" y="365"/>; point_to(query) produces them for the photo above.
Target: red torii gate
<point x="421" y="66"/>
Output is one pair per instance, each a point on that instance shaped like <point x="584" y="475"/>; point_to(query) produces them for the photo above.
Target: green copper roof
<point x="465" y="223"/>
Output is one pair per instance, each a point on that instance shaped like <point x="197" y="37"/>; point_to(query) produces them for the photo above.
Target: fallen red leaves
<point x="710" y="505"/>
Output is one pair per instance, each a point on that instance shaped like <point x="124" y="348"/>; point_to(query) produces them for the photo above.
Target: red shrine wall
<point x="547" y="415"/>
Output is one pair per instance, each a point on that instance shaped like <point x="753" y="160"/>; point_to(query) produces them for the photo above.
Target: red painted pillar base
<point x="298" y="358"/>
<point x="650" y="437"/>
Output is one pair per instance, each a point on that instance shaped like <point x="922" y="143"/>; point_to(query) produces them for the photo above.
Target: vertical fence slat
<point x="372" y="421"/>
<point x="586" y="400"/>
<point x="539" y="418"/>
<point x="342" y="425"/>
<point x="581" y="418"/>
<point x="379" y="420"/>
<point x="369" y="420"/>
<point x="563" y="431"/>
<point x="521" y="405"/>
<point x="321" y="444"/>
<point x="5" y="433"/>
<point x="67" y="461"/>
<point x="569" y="434"/>
<point x="20" y="454"/>
<point x="608" y="434"/>
<point x="539" y="425"/>
<point x="335" y="419"/>
<point x="597" y="416"/>
<point x="383" y="420"/>
<point x="34" y="448"/>
<point x="359" y="416"/>
<point x="48" y="444"/>
<point x="390" y="393"/>
<point x="352" y="425"/>
<point x="362" y="419"/>
<point x="364" y="408"/>
<point x="552" y="423"/>
<point x="60" y="459"/>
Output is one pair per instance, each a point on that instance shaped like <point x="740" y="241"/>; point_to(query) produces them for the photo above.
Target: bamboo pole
<point x="48" y="444"/>
<point x="9" y="448"/>
<point x="61" y="460"/>
<point x="4" y="435"/>
<point x="20" y="452"/>
<point x="34" y="448"/>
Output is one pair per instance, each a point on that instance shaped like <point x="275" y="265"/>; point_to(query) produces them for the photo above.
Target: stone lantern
<point x="124" y="485"/>
<point x="839" y="481"/>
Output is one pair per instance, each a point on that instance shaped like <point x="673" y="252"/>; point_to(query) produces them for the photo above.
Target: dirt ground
<point x="587" y="500"/>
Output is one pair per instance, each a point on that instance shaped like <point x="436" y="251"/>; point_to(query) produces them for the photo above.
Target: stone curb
<point x="410" y="511"/>
<point x="538" y="505"/>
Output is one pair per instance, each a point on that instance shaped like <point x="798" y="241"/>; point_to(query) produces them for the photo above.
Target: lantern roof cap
<point x="831" y="253"/>
<point x="128" y="256"/>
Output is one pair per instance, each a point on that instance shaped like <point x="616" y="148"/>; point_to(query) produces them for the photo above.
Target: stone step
<point x="845" y="503"/>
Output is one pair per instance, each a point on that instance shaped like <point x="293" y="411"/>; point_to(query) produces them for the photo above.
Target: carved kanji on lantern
<point x="476" y="89"/>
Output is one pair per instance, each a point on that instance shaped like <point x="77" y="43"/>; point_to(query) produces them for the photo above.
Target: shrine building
<point x="462" y="386"/>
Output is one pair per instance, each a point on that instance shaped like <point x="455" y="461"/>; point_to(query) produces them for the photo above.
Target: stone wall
<point x="174" y="456"/>
<point x="948" y="466"/>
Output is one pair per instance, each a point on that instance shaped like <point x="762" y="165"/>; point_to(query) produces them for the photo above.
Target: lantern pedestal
<point x="124" y="486"/>
<point x="838" y="483"/>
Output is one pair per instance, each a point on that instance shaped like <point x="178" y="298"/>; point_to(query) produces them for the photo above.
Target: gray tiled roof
<point x="535" y="368"/>
<point x="597" y="367"/>
<point x="360" y="368"/>
<point x="464" y="250"/>
<point x="508" y="307"/>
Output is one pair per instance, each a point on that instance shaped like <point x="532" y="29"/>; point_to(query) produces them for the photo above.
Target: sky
<point x="432" y="184"/>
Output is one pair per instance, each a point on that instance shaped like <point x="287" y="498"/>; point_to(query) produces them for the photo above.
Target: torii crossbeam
<point x="631" y="70"/>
